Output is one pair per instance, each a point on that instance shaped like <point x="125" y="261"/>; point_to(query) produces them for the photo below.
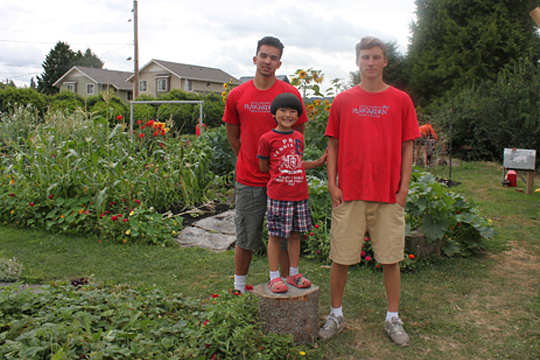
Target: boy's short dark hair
<point x="286" y="101"/>
<point x="270" y="41"/>
<point x="369" y="42"/>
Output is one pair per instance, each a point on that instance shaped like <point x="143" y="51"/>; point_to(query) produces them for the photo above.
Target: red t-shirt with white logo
<point x="249" y="107"/>
<point x="371" y="128"/>
<point x="287" y="174"/>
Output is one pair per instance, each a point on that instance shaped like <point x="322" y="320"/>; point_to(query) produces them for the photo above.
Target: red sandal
<point x="277" y="286"/>
<point x="299" y="281"/>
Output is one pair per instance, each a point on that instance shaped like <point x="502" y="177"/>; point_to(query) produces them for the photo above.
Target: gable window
<point x="71" y="86"/>
<point x="162" y="85"/>
<point x="188" y="85"/>
<point x="89" y="89"/>
<point x="142" y="85"/>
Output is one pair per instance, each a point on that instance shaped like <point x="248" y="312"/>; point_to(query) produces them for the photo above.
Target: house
<point x="87" y="81"/>
<point x="159" y="77"/>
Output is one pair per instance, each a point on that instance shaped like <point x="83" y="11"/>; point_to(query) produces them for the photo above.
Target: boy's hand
<point x="336" y="194"/>
<point x="322" y="159"/>
<point x="401" y="198"/>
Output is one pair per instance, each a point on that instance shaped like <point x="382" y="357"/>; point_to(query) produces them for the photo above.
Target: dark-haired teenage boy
<point x="247" y="116"/>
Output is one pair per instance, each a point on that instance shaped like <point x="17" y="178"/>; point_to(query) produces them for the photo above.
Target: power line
<point x="49" y="42"/>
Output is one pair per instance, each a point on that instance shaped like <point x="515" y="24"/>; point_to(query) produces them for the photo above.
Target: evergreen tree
<point x="394" y="74"/>
<point x="32" y="83"/>
<point x="57" y="62"/>
<point x="88" y="59"/>
<point x="460" y="42"/>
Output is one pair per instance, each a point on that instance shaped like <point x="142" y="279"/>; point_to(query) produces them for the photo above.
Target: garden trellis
<point x="200" y="102"/>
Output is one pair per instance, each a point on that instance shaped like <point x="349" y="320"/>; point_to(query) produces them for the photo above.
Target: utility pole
<point x="136" y="55"/>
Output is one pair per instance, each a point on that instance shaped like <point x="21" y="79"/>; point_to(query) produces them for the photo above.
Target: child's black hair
<point x="286" y="101"/>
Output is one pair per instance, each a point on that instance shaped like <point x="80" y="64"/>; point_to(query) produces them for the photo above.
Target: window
<point x="188" y="85"/>
<point x="162" y="85"/>
<point x="142" y="85"/>
<point x="89" y="89"/>
<point x="70" y="87"/>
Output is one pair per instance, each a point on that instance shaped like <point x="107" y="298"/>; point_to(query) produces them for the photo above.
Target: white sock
<point x="240" y="283"/>
<point x="274" y="275"/>
<point x="390" y="315"/>
<point x="293" y="271"/>
<point x="337" y="311"/>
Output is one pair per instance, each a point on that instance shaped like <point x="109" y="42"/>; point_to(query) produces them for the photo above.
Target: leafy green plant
<point x="443" y="214"/>
<point x="119" y="322"/>
<point x="10" y="269"/>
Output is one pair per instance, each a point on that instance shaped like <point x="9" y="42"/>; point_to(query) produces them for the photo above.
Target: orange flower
<point x="411" y="256"/>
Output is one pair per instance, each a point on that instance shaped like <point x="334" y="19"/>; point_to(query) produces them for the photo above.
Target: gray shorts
<point x="250" y="204"/>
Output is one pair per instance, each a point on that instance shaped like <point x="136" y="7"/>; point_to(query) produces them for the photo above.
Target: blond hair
<point x="369" y="42"/>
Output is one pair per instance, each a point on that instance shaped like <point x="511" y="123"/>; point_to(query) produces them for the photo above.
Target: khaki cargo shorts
<point x="384" y="222"/>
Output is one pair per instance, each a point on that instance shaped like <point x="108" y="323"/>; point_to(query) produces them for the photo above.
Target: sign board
<point x="519" y="159"/>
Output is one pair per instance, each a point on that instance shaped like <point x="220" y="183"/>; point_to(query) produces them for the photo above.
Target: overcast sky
<point x="215" y="33"/>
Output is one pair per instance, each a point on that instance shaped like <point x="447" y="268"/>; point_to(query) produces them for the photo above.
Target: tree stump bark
<point x="294" y="312"/>
<point x="416" y="244"/>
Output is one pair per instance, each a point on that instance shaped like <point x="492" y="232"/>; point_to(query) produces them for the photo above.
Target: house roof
<point x="285" y="78"/>
<point x="114" y="78"/>
<point x="191" y="72"/>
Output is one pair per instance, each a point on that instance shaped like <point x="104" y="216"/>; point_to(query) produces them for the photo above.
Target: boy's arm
<point x="263" y="163"/>
<point x="406" y="171"/>
<point x="233" y="136"/>
<point x="316" y="163"/>
<point x="331" y="168"/>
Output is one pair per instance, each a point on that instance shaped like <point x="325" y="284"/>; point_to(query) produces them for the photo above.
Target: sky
<point x="220" y="34"/>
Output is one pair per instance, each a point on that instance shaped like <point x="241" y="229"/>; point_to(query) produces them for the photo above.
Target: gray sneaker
<point x="332" y="326"/>
<point x="394" y="328"/>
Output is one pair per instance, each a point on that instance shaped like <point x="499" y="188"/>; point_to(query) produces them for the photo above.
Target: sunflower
<point x="225" y="85"/>
<point x="302" y="74"/>
<point x="224" y="94"/>
<point x="311" y="107"/>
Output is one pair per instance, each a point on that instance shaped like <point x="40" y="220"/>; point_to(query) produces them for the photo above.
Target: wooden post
<point x="294" y="312"/>
<point x="530" y="182"/>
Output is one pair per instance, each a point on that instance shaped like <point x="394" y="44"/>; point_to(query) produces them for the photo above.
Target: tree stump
<point x="416" y="244"/>
<point x="294" y="312"/>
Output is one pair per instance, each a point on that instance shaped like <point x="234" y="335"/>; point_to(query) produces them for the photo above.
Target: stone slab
<point x="221" y="223"/>
<point x="193" y="236"/>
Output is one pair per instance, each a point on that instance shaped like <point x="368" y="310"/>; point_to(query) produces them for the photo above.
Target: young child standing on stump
<point x="280" y="153"/>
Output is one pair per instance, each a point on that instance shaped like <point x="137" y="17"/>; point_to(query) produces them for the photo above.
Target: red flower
<point x="11" y="194"/>
<point x="107" y="212"/>
<point x="138" y="201"/>
<point x="87" y="212"/>
<point x="458" y="212"/>
<point x="150" y="123"/>
<point x="50" y="197"/>
<point x="114" y="218"/>
<point x="102" y="215"/>
<point x="368" y="258"/>
<point x="124" y="200"/>
<point x="31" y="204"/>
<point x="316" y="226"/>
<point x="141" y="135"/>
<point x="311" y="234"/>
<point x="142" y="127"/>
<point x="205" y="322"/>
<point x="119" y="117"/>
<point x="214" y="357"/>
<point x="214" y="296"/>
<point x="318" y="252"/>
<point x="162" y="132"/>
<point x="139" y="122"/>
<point x="377" y="266"/>
<point x="125" y="220"/>
<point x="305" y="236"/>
<point x="366" y="239"/>
<point x="363" y="254"/>
<point x="119" y="215"/>
<point x="411" y="256"/>
<point x="249" y="288"/>
<point x="156" y="133"/>
<point x="161" y="144"/>
<point x="111" y="203"/>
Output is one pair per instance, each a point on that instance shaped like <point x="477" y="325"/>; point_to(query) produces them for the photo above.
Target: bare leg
<point x="392" y="284"/>
<point x="242" y="260"/>
<point x="284" y="263"/>
<point x="294" y="249"/>
<point x="338" y="280"/>
<point x="273" y="252"/>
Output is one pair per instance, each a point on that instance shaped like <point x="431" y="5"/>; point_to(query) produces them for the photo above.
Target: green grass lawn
<point x="484" y="307"/>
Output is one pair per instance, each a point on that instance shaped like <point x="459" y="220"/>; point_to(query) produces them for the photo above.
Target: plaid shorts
<point x="283" y="217"/>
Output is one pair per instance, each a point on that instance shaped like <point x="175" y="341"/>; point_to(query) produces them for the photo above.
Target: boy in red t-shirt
<point x="280" y="154"/>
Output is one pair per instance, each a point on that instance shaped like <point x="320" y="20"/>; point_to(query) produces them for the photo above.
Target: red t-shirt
<point x="287" y="174"/>
<point x="249" y="107"/>
<point x="370" y="128"/>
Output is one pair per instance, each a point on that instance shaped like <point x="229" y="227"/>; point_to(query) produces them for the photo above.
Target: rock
<point x="294" y="312"/>
<point x="216" y="233"/>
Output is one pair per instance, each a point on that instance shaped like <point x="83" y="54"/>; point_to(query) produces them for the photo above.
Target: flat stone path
<point x="216" y="233"/>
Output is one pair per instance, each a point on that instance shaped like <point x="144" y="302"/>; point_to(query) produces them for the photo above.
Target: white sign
<point x="519" y="159"/>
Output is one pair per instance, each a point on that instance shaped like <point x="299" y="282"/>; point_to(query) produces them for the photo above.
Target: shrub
<point x="11" y="98"/>
<point x="10" y="269"/>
